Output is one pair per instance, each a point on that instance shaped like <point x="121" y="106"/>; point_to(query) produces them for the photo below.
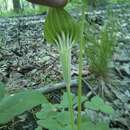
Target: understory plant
<point x="99" y="50"/>
<point x="56" y="116"/>
<point x="63" y="31"/>
<point x="63" y="34"/>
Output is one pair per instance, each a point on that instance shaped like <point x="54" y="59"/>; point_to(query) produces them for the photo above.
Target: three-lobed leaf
<point x="56" y="117"/>
<point x="98" y="104"/>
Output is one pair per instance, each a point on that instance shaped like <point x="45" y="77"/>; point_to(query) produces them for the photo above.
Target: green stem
<point x="65" y="58"/>
<point x="80" y="69"/>
<point x="70" y="107"/>
<point x="68" y="63"/>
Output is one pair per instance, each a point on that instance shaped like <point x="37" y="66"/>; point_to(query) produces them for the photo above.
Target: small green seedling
<point x="99" y="50"/>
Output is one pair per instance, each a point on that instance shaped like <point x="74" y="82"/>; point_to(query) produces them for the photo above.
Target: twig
<point x="58" y="86"/>
<point x="88" y="85"/>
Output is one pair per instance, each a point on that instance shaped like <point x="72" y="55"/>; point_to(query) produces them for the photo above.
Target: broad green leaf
<point x="107" y="109"/>
<point x="43" y="115"/>
<point x="50" y="124"/>
<point x="54" y="120"/>
<point x="48" y="111"/>
<point x="16" y="104"/>
<point x="2" y="91"/>
<point x="48" y="106"/>
<point x="59" y="21"/>
<point x="63" y="118"/>
<point x="53" y="123"/>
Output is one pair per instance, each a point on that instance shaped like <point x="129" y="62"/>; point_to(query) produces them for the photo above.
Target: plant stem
<point x="65" y="58"/>
<point x="80" y="69"/>
<point x="68" y="62"/>
<point x="70" y="107"/>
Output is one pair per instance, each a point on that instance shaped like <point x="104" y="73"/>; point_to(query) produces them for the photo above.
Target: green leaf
<point x="107" y="109"/>
<point x="98" y="104"/>
<point x="38" y="128"/>
<point x="16" y="104"/>
<point x="43" y="115"/>
<point x="95" y="103"/>
<point x="89" y="125"/>
<point x="2" y="91"/>
<point x="56" y="123"/>
<point x="59" y="21"/>
<point x="53" y="120"/>
<point x="48" y="107"/>
<point x="63" y="118"/>
<point x="64" y="102"/>
<point x="68" y="128"/>
<point x="50" y="124"/>
<point x="102" y="126"/>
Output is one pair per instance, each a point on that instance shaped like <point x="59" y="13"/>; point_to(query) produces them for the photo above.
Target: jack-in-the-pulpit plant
<point x="62" y="30"/>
